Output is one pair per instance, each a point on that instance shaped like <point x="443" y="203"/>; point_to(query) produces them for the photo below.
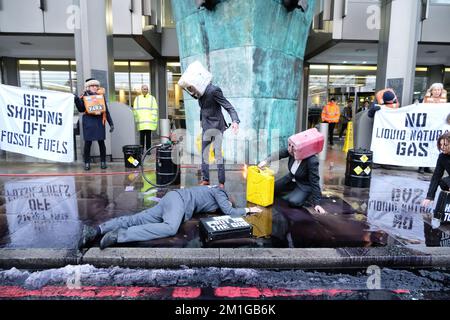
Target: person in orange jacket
<point x="330" y="115"/>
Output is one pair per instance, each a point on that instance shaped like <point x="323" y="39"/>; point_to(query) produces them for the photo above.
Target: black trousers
<point x="445" y="183"/>
<point x="87" y="150"/>
<point x="290" y="191"/>
<point x="343" y="128"/>
<point x="331" y="126"/>
<point x="146" y="138"/>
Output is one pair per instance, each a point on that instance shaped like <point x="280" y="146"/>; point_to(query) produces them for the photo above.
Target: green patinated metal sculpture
<point x="255" y="50"/>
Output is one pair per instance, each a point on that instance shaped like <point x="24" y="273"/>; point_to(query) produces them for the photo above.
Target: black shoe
<point x="421" y="170"/>
<point x="88" y="235"/>
<point x="87" y="166"/>
<point x="428" y="170"/>
<point x="109" y="239"/>
<point x="103" y="165"/>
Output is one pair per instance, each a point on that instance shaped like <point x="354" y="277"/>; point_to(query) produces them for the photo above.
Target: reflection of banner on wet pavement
<point x="395" y="206"/>
<point x="37" y="123"/>
<point x="407" y="136"/>
<point x="42" y="212"/>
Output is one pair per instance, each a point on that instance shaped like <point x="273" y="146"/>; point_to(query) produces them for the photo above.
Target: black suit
<point x="307" y="180"/>
<point x="213" y="125"/>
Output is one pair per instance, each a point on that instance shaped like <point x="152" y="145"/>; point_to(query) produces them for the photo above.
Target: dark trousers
<point x="331" y="126"/>
<point x="445" y="183"/>
<point x="160" y="221"/>
<point x="290" y="191"/>
<point x="343" y="128"/>
<point x="146" y="138"/>
<point x="87" y="150"/>
<point x="208" y="137"/>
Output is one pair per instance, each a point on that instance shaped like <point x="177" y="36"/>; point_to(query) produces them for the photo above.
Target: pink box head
<point x="305" y="144"/>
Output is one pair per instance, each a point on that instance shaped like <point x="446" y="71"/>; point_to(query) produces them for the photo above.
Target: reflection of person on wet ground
<point x="302" y="181"/>
<point x="164" y="219"/>
<point x="442" y="164"/>
<point x="301" y="230"/>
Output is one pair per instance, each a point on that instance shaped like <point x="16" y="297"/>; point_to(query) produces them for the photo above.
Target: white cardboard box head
<point x="196" y="76"/>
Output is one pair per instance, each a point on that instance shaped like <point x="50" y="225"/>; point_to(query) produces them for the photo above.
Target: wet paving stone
<point x="48" y="211"/>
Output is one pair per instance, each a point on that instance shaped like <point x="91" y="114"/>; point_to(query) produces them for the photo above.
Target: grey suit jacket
<point x="211" y="116"/>
<point x="207" y="199"/>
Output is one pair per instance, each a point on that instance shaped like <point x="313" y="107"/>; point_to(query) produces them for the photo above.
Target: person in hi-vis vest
<point x="331" y="114"/>
<point x="145" y="110"/>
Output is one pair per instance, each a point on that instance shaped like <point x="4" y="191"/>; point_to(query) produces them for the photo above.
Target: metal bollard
<point x="324" y="130"/>
<point x="164" y="129"/>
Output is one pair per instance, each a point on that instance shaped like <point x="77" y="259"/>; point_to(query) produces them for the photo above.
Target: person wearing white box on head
<point x="196" y="80"/>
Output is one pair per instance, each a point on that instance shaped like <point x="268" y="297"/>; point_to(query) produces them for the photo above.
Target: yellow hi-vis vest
<point x="145" y="112"/>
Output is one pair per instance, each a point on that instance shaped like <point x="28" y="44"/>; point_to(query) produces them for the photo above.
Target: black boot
<point x="88" y="235"/>
<point x="421" y="170"/>
<point x="428" y="170"/>
<point x="87" y="166"/>
<point x="103" y="165"/>
<point x="109" y="239"/>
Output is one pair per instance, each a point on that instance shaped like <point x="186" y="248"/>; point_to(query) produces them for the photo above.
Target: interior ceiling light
<point x="25" y="43"/>
<point x="360" y="50"/>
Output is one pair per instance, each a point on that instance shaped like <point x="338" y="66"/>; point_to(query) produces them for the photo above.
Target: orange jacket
<point x="331" y="113"/>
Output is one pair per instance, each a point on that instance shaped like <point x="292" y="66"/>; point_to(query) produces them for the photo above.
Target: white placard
<point x="37" y="123"/>
<point x="407" y="136"/>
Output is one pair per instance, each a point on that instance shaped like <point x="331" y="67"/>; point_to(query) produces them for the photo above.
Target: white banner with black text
<point x="37" y="123"/>
<point x="407" y="136"/>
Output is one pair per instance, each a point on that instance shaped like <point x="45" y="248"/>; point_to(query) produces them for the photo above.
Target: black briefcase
<point x="442" y="210"/>
<point x="224" y="227"/>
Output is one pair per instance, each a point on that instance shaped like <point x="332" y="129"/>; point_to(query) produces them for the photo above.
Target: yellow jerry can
<point x="260" y="186"/>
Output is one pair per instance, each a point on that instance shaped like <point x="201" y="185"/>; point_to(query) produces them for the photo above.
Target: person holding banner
<point x="386" y="98"/>
<point x="93" y="104"/>
<point x="442" y="164"/>
<point x="436" y="94"/>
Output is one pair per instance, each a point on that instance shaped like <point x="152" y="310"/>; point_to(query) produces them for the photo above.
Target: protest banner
<point x="37" y="123"/>
<point x="407" y="136"/>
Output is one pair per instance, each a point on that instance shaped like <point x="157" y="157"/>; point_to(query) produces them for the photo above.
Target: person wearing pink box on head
<point x="301" y="185"/>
